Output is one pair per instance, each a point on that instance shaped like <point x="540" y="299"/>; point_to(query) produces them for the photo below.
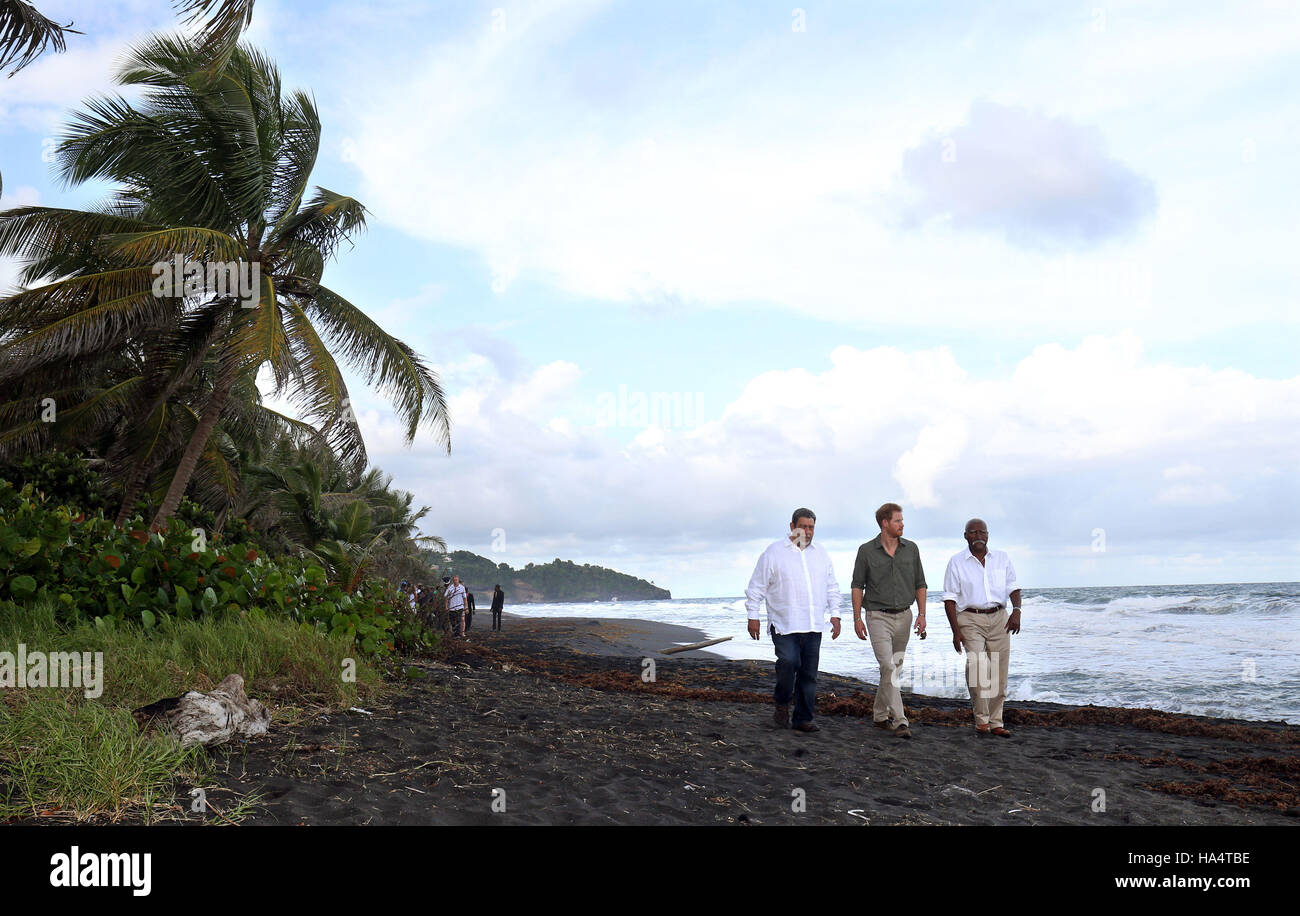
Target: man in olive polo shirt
<point x="887" y="578"/>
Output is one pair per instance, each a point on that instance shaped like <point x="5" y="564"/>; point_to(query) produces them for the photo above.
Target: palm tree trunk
<point x="134" y="487"/>
<point x="164" y="392"/>
<point x="198" y="442"/>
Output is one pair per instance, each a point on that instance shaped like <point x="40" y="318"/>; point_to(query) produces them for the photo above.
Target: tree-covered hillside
<point x="559" y="580"/>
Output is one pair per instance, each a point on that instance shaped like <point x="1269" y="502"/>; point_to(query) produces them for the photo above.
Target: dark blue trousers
<point x="797" y="655"/>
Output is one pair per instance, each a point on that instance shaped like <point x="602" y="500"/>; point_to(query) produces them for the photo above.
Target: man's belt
<point x="983" y="610"/>
<point x="891" y="610"/>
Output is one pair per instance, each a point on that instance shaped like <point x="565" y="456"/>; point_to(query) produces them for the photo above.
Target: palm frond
<point x="33" y="232"/>
<point x="226" y="21"/>
<point x="388" y="364"/>
<point x="195" y="243"/>
<point x="321" y="393"/>
<point x="103" y="325"/>
<point x="25" y="34"/>
<point x="327" y="220"/>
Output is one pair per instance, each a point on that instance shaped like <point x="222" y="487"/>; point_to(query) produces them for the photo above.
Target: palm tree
<point x="353" y="524"/>
<point x="213" y="168"/>
<point x="136" y="424"/>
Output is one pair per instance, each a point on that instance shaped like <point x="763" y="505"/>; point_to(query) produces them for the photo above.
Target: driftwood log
<point x="208" y="718"/>
<point x="695" y="645"/>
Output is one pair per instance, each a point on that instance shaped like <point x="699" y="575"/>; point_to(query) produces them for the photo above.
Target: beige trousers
<point x="889" y="634"/>
<point x="988" y="651"/>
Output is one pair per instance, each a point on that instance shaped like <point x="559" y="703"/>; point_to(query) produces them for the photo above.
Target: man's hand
<point x="956" y="641"/>
<point x="860" y="628"/>
<point x="835" y="628"/>
<point x="920" y="624"/>
<point x="1013" y="622"/>
<point x="754" y="628"/>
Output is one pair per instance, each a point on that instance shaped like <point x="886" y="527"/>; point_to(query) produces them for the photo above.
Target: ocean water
<point x="1213" y="650"/>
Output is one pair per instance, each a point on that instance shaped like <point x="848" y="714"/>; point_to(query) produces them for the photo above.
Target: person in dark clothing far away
<point x="498" y="601"/>
<point x="469" y="608"/>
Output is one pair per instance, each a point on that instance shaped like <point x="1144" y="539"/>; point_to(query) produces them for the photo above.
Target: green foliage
<point x="60" y="477"/>
<point x="62" y="752"/>
<point x="84" y="759"/>
<point x="91" y="570"/>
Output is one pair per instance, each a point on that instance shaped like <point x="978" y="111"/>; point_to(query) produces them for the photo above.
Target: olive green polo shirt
<point x="888" y="582"/>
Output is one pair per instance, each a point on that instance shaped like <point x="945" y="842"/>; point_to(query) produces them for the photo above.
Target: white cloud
<point x="38" y="97"/>
<point x="937" y="448"/>
<point x="21" y="196"/>
<point x="1041" y="182"/>
<point x="544" y="386"/>
<point x="777" y="184"/>
<point x="1070" y="440"/>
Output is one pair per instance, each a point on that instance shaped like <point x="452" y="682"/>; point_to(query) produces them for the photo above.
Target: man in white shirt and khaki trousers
<point x="976" y="589"/>
<point x="795" y="579"/>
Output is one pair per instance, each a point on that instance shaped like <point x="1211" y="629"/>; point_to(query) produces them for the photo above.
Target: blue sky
<point x="1025" y="261"/>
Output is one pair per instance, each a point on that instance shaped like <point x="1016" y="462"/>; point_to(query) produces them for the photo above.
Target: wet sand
<point x="552" y="722"/>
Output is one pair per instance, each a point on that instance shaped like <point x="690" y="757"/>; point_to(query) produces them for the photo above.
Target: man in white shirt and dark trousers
<point x="795" y="579"/>
<point x="456" y="605"/>
<point x="976" y="589"/>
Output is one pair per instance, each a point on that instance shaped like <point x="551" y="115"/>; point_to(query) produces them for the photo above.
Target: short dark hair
<point x="802" y="513"/>
<point x="886" y="512"/>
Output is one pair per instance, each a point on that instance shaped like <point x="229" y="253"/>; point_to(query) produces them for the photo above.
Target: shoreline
<point x="643" y="635"/>
<point x="555" y="719"/>
<point x="555" y="713"/>
<point x="637" y="637"/>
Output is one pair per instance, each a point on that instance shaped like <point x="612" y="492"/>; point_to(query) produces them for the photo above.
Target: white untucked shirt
<point x="456" y="598"/>
<point x="979" y="585"/>
<point x="798" y="585"/>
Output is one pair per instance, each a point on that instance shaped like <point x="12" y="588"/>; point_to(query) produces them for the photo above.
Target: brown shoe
<point x="902" y="731"/>
<point x="1000" y="732"/>
<point x="806" y="727"/>
<point x="981" y="730"/>
<point x="781" y="716"/>
<point x="886" y="724"/>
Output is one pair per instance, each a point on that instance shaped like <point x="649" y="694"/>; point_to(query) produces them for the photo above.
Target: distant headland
<point x="557" y="581"/>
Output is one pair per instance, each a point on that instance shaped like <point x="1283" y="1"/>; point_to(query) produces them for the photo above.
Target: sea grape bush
<point x="90" y="569"/>
<point x="62" y="478"/>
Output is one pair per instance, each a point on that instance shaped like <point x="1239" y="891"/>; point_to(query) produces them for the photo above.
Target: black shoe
<point x="806" y="727"/>
<point x="781" y="716"/>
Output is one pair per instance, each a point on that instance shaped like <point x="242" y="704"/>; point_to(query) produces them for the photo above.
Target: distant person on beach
<point x="470" y="607"/>
<point x="887" y="578"/>
<point x="795" y="579"/>
<point x="425" y="604"/>
<point x="456" y="605"/>
<point x="498" y="602"/>
<point x="977" y="586"/>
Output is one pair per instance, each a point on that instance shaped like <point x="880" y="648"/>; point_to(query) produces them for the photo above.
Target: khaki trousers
<point x="889" y="634"/>
<point x="988" y="651"/>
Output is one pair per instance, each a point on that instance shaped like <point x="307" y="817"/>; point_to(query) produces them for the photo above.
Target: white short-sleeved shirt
<point x="973" y="584"/>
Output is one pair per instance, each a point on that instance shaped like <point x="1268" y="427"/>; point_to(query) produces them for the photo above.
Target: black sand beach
<point x="554" y="714"/>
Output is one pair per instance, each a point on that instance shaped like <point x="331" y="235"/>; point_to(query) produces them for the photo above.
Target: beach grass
<point x="85" y="758"/>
